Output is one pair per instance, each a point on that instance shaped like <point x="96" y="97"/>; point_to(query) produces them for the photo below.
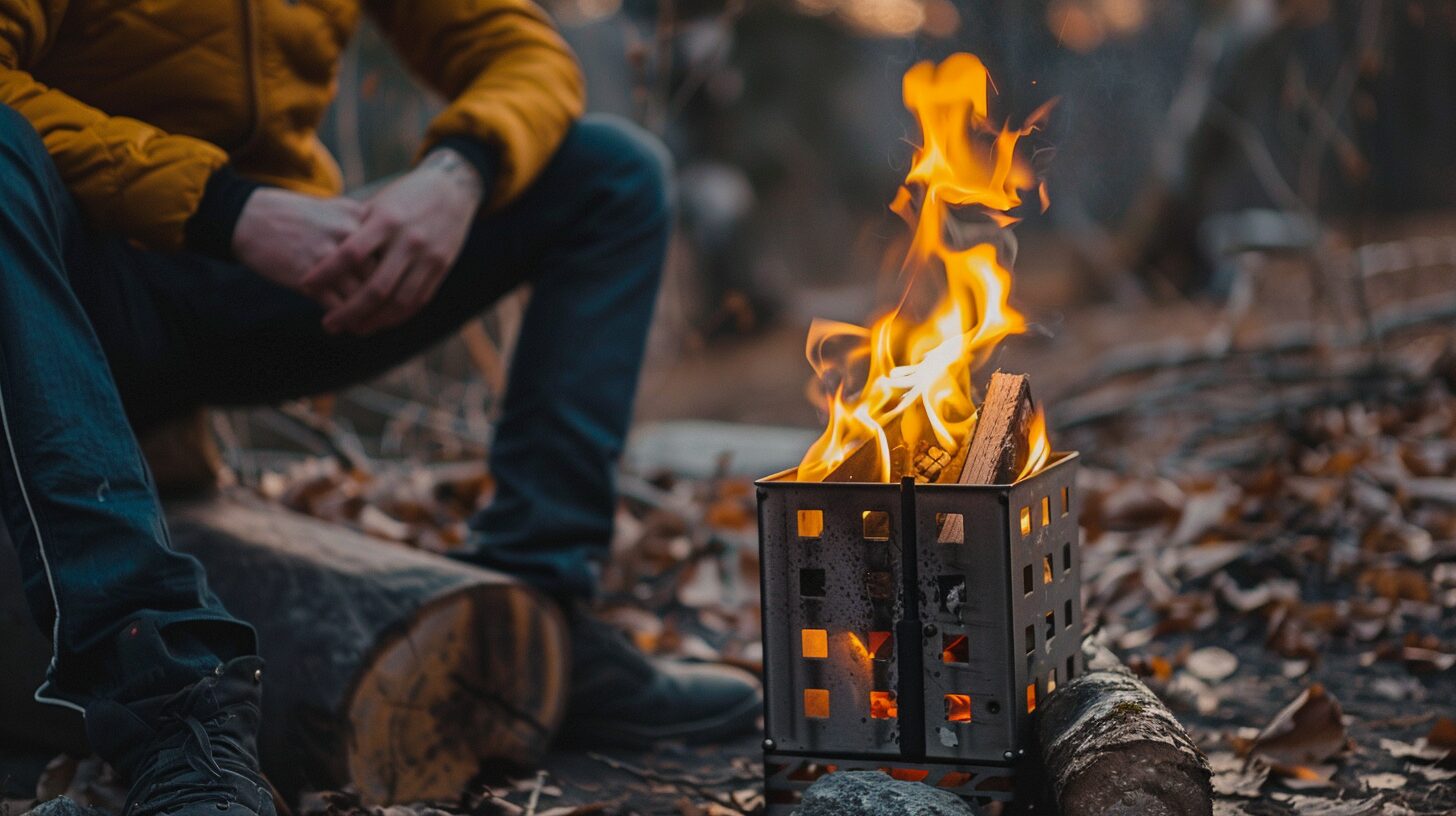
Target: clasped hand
<point x="371" y="264"/>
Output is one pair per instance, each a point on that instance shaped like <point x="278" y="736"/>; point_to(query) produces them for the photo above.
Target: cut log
<point x="998" y="447"/>
<point x="183" y="456"/>
<point x="399" y="672"/>
<point x="864" y="464"/>
<point x="1109" y="746"/>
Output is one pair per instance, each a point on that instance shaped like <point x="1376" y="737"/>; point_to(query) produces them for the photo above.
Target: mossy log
<point x="1109" y="747"/>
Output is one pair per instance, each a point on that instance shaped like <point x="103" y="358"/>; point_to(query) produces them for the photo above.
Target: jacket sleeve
<point x="511" y="80"/>
<point x="127" y="176"/>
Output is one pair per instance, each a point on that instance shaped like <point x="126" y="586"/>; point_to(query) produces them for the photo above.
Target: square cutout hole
<point x="876" y="525"/>
<point x="1030" y="638"/>
<point x="1052" y="681"/>
<point x="879" y="585"/>
<point x="1026" y="521"/>
<point x="958" y="708"/>
<point x="811" y="583"/>
<point x="816" y="704"/>
<point x="1071" y="667"/>
<point x="1066" y="500"/>
<point x="1051" y="625"/>
<point x="814" y="643"/>
<point x="955" y="649"/>
<point x="955" y="779"/>
<point x="1026" y="584"/>
<point x="810" y="771"/>
<point x="811" y="523"/>
<point x="882" y="705"/>
<point x="1066" y="557"/>
<point x="1067" y="613"/>
<point x="952" y="593"/>
<point x="1030" y="697"/>
<point x="1046" y="510"/>
<point x="882" y="646"/>
<point x="1047" y="576"/>
<point x="950" y="528"/>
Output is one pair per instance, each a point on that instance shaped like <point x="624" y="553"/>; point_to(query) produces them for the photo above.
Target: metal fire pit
<point x="885" y="648"/>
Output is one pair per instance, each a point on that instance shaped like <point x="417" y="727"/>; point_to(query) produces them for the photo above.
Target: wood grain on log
<point x="397" y="671"/>
<point x="999" y="442"/>
<point x="183" y="456"/>
<point x="1110" y="746"/>
<point x="998" y="446"/>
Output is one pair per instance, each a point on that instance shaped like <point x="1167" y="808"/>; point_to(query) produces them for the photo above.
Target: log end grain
<point x="478" y="680"/>
<point x="397" y="671"/>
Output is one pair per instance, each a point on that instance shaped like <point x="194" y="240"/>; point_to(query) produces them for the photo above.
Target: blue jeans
<point x="98" y="336"/>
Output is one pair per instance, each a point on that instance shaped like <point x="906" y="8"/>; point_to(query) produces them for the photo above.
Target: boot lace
<point x="185" y="769"/>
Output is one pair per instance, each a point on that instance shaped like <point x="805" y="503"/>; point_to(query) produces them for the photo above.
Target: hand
<point x="410" y="237"/>
<point x="281" y="235"/>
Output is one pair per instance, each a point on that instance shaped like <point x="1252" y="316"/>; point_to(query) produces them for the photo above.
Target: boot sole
<point x="589" y="732"/>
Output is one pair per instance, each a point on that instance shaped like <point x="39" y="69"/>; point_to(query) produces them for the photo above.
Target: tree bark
<point x="1109" y="747"/>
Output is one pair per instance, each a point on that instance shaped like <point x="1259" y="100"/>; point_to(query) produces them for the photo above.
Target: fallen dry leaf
<point x="1233" y="776"/>
<point x="1308" y="731"/>
<point x="1383" y="781"/>
<point x="1431" y="773"/>
<point x="1413" y="750"/>
<point x="1212" y="664"/>
<point x="1317" y="806"/>
<point x="1443" y="733"/>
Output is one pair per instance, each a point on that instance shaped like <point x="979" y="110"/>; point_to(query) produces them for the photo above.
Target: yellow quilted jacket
<point x="140" y="101"/>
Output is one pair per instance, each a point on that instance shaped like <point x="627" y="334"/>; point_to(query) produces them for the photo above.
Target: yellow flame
<point x="1040" y="449"/>
<point x="917" y="370"/>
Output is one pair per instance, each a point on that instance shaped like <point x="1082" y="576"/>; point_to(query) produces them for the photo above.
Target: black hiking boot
<point x="623" y="699"/>
<point x="193" y="753"/>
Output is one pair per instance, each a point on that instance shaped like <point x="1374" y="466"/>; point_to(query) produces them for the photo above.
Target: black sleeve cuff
<point x="210" y="229"/>
<point x="483" y="157"/>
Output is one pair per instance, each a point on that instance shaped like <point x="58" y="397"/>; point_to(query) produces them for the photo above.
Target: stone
<point x="874" y="793"/>
<point x="64" y="806"/>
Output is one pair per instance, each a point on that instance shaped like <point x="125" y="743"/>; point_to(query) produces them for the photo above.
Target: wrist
<point x="470" y="162"/>
<point x="210" y="229"/>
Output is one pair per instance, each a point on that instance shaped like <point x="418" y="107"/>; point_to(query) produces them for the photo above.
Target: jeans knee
<point x="633" y="166"/>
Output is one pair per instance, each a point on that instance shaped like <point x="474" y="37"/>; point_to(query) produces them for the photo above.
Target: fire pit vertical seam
<point x="909" y="632"/>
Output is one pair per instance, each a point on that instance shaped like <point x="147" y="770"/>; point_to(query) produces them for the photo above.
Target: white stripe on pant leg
<point x="45" y="562"/>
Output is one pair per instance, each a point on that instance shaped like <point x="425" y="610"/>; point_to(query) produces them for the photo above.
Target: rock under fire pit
<point x="872" y="793"/>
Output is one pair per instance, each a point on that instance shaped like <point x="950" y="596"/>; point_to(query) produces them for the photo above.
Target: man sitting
<point x="172" y="236"/>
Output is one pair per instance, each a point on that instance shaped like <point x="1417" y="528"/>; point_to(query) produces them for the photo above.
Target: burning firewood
<point x="1000" y="446"/>
<point x="1109" y="745"/>
<point x="998" y="450"/>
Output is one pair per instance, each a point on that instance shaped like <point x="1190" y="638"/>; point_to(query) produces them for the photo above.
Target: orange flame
<point x="1041" y="446"/>
<point x="917" y="372"/>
